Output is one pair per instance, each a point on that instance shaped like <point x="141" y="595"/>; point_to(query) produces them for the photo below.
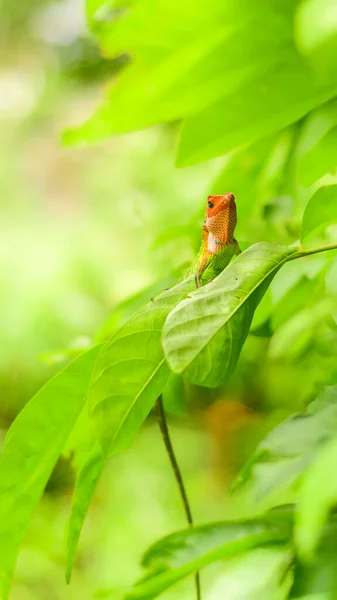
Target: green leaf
<point x="178" y="72"/>
<point x="204" y="334"/>
<point x="293" y="338"/>
<point x="180" y="554"/>
<point x="320" y="211"/>
<point x="131" y="372"/>
<point x="318" y="494"/>
<point x="321" y="159"/>
<point x="292" y="446"/>
<point x="86" y="483"/>
<point x="261" y="574"/>
<point x="317" y="579"/>
<point x="272" y="101"/>
<point x="31" y="449"/>
<point x="316" y="34"/>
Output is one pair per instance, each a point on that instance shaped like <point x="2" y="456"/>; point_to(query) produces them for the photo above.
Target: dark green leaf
<point x="183" y="553"/>
<point x="131" y="372"/>
<point x="31" y="449"/>
<point x="320" y="211"/>
<point x="204" y="334"/>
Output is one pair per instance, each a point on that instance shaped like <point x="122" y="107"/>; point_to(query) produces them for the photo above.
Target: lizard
<point x="218" y="244"/>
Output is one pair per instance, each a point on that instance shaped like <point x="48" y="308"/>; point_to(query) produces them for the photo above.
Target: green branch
<point x="310" y="251"/>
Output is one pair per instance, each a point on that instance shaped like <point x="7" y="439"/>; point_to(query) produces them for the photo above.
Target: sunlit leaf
<point x="204" y="334"/>
<point x="31" y="449"/>
<point x="180" y="554"/>
<point x="269" y="103"/>
<point x="316" y="33"/>
<point x="185" y="62"/>
<point x="261" y="574"/>
<point x="321" y="159"/>
<point x="313" y="507"/>
<point x="86" y="483"/>
<point x="131" y="372"/>
<point x="320" y="211"/>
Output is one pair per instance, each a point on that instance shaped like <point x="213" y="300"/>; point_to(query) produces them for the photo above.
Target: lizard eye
<point x="210" y="204"/>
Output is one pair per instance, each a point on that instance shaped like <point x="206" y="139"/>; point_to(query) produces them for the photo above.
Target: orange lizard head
<point x="216" y="204"/>
<point x="221" y="217"/>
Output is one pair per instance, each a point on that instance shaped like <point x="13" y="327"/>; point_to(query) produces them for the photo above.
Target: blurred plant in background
<point x="92" y="233"/>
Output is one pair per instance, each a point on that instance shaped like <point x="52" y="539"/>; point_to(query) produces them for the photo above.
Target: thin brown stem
<point x="161" y="417"/>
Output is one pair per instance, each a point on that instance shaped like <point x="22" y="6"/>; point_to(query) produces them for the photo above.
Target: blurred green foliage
<point x="91" y="234"/>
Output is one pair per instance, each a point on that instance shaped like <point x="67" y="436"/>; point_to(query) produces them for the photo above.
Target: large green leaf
<point x="269" y="103"/>
<point x="204" y="334"/>
<point x="131" y="372"/>
<point x="318" y="494"/>
<point x="180" y="554"/>
<point x="179" y="71"/>
<point x="86" y="483"/>
<point x="31" y="449"/>
<point x="292" y="446"/>
<point x="261" y="574"/>
<point x="320" y="211"/>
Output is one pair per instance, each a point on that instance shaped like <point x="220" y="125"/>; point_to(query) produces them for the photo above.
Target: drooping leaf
<point x="204" y="334"/>
<point x="180" y="554"/>
<point x="131" y="372"/>
<point x="86" y="483"/>
<point x="318" y="494"/>
<point x="320" y="211"/>
<point x="260" y="574"/>
<point x="31" y="449"/>
<point x="292" y="446"/>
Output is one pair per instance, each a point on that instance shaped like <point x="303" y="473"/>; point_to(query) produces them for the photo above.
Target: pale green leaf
<point x="86" y="483"/>
<point x="321" y="159"/>
<point x="317" y="495"/>
<point x="320" y="211"/>
<point x="185" y="62"/>
<point x="180" y="554"/>
<point x="292" y="339"/>
<point x="31" y="449"/>
<point x="291" y="446"/>
<point x="269" y="103"/>
<point x="261" y="574"/>
<point x="315" y="24"/>
<point x="204" y="334"/>
<point x="132" y="372"/>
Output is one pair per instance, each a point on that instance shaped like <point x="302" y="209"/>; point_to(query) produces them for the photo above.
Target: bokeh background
<point x="89" y="234"/>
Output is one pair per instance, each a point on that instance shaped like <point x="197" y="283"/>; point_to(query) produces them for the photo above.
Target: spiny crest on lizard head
<point x="221" y="217"/>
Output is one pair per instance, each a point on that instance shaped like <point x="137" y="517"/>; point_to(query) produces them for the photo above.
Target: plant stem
<point x="161" y="417"/>
<point x="310" y="251"/>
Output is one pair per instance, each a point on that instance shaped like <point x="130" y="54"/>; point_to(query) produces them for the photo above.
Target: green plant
<point x="255" y="80"/>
